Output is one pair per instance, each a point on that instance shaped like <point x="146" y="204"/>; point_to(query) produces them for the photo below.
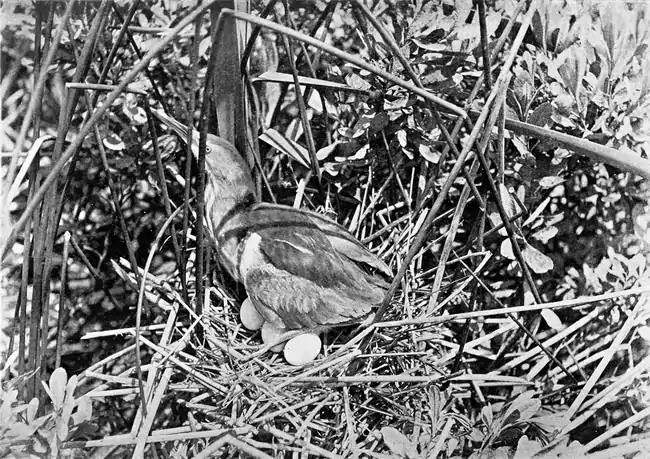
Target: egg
<point x="249" y="316"/>
<point x="302" y="349"/>
<point x="270" y="333"/>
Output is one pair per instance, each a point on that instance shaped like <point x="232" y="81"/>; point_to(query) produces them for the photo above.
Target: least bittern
<point x="300" y="269"/>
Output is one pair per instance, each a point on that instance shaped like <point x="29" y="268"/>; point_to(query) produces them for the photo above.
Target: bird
<point x="301" y="270"/>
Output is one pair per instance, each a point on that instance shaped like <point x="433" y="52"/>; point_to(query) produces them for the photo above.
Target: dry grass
<point x="237" y="393"/>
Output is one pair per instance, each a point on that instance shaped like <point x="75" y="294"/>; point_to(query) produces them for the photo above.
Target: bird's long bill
<point x="179" y="129"/>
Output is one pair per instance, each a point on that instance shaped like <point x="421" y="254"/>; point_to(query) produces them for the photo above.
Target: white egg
<point x="270" y="333"/>
<point x="249" y="316"/>
<point x="302" y="349"/>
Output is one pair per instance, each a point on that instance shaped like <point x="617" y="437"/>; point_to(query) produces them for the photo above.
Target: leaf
<point x="537" y="212"/>
<point x="8" y="399"/>
<point x="508" y="203"/>
<point x="552" y="320"/>
<point x="452" y="444"/>
<point x="476" y="435"/>
<point x="513" y="112"/>
<point x="506" y="249"/>
<point x="324" y="152"/>
<point x="591" y="279"/>
<point x="69" y="403"/>
<point x="21" y="431"/>
<point x="204" y="46"/>
<point x="523" y="87"/>
<point x="83" y="430"/>
<point x="554" y="219"/>
<point x="551" y="422"/>
<point x="541" y="116"/>
<point x="332" y="169"/>
<point x="295" y="129"/>
<point x="32" y="410"/>
<point x="571" y="65"/>
<point x="360" y="154"/>
<point x="522" y="408"/>
<point x="529" y="298"/>
<point x="430" y="155"/>
<point x="285" y="145"/>
<point x="550" y="181"/>
<point x="371" y="123"/>
<point x="502" y="452"/>
<point x="545" y="234"/>
<point x="148" y="45"/>
<point x="526" y="448"/>
<point x="401" y="137"/>
<point x="316" y="102"/>
<point x="521" y="144"/>
<point x="356" y="82"/>
<point x="57" y="385"/>
<point x="84" y="411"/>
<point x="506" y="293"/>
<point x="435" y="405"/>
<point x="135" y="113"/>
<point x="468" y="31"/>
<point x="637" y="264"/>
<point x="141" y="84"/>
<point x="226" y="87"/>
<point x="536" y="260"/>
<point x="62" y="429"/>
<point x="487" y="415"/>
<point x="433" y="47"/>
<point x="426" y="19"/>
<point x="495" y="219"/>
<point x="346" y="132"/>
<point x="644" y="333"/>
<point x="113" y="142"/>
<point x="602" y="270"/>
<point x="397" y="442"/>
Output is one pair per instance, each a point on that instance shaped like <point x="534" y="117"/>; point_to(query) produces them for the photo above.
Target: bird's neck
<point x="225" y="193"/>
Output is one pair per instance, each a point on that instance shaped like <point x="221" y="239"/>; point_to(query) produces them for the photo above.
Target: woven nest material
<point x="238" y="395"/>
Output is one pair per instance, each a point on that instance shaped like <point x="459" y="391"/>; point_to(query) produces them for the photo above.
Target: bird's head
<point x="223" y="161"/>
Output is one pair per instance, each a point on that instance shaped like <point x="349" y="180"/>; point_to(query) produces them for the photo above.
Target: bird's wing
<point x="340" y="238"/>
<point x="299" y="303"/>
<point x="293" y="271"/>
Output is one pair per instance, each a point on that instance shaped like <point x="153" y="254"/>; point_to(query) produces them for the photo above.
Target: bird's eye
<point x="208" y="149"/>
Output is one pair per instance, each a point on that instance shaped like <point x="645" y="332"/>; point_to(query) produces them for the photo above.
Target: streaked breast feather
<point x="250" y="255"/>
